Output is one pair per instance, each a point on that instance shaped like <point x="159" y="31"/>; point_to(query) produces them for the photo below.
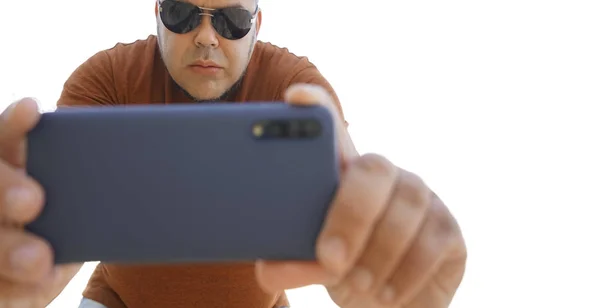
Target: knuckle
<point x="444" y="224"/>
<point x="377" y="164"/>
<point x="413" y="189"/>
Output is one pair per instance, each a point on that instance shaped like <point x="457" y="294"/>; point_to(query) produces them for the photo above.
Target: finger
<point x="364" y="191"/>
<point x="436" y="239"/>
<point x="21" y="295"/>
<point x="430" y="296"/>
<point x="21" y="198"/>
<point x="308" y="95"/>
<point x="40" y="292"/>
<point x="276" y="276"/>
<point x="440" y="289"/>
<point x="362" y="302"/>
<point x="59" y="278"/>
<point x="345" y="297"/>
<point x="15" y="122"/>
<point x="393" y="235"/>
<point x="340" y="295"/>
<point x="23" y="257"/>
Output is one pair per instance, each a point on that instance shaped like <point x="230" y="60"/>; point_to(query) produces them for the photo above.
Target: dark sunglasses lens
<point x="232" y="23"/>
<point x="179" y="17"/>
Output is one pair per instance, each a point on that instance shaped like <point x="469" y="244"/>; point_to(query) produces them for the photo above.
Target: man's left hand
<point x="387" y="241"/>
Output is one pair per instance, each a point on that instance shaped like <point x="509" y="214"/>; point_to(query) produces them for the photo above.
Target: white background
<point x="494" y="103"/>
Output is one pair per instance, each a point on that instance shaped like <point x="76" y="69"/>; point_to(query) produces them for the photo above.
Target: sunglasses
<point x="232" y="23"/>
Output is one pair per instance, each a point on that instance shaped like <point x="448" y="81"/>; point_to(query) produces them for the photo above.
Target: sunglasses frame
<point x="204" y="10"/>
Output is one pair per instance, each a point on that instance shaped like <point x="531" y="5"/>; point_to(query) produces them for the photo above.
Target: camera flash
<point x="258" y="130"/>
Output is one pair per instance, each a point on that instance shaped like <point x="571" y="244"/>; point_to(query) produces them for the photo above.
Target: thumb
<point x="15" y="122"/>
<point x="309" y="95"/>
<point x="276" y="276"/>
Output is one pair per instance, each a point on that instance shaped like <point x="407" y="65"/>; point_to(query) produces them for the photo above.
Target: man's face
<point x="202" y="62"/>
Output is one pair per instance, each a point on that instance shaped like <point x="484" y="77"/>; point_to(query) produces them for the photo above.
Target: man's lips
<point x="206" y="67"/>
<point x="206" y="64"/>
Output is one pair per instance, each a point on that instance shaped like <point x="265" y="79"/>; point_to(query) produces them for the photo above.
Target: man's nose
<point x="206" y="36"/>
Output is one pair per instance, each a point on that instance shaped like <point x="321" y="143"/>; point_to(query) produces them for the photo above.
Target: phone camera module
<point x="287" y="129"/>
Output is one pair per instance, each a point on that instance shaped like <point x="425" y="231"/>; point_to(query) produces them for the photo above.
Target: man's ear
<point x="156" y="8"/>
<point x="258" y="21"/>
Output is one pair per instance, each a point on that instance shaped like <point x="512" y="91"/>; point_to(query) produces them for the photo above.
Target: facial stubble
<point x="229" y="93"/>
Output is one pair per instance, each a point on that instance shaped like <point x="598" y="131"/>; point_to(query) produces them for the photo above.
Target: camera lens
<point x="287" y="129"/>
<point x="274" y="130"/>
<point x="311" y="128"/>
<point x="295" y="129"/>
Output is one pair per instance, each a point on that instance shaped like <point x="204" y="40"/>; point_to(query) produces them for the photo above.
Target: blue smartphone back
<point x="181" y="183"/>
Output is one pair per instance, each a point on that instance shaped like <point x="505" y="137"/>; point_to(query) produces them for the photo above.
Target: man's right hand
<point x="28" y="277"/>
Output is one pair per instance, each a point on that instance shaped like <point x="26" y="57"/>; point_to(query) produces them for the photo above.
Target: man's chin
<point x="212" y="92"/>
<point x="206" y="98"/>
<point x="204" y="95"/>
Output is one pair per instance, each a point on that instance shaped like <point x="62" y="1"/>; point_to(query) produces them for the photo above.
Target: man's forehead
<point x="222" y="3"/>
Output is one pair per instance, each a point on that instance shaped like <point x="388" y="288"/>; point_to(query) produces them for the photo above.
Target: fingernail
<point x="361" y="279"/>
<point x="25" y="257"/>
<point x="334" y="251"/>
<point x="387" y="295"/>
<point x="17" y="199"/>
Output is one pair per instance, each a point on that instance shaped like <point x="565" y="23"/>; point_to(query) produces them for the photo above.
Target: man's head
<point x="209" y="60"/>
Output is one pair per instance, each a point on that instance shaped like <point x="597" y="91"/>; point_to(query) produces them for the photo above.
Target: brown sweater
<point x="135" y="74"/>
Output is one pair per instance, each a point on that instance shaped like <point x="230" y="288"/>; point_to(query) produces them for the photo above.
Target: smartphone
<point x="183" y="183"/>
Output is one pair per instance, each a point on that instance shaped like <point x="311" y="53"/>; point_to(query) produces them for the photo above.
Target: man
<point x="388" y="241"/>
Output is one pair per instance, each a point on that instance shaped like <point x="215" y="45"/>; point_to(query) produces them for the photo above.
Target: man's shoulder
<point x="121" y="74"/>
<point x="278" y="59"/>
<point x="136" y="51"/>
<point x="121" y="58"/>
<point x="272" y="69"/>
